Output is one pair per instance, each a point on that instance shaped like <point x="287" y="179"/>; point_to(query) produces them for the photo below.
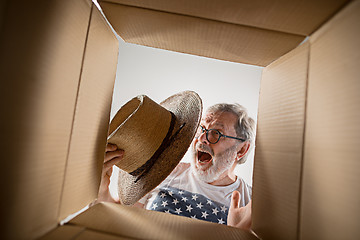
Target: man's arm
<point x="113" y="155"/>
<point x="239" y="217"/>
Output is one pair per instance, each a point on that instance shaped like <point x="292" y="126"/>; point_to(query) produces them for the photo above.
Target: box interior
<point x="254" y="33"/>
<point x="58" y="65"/>
<point x="279" y="145"/>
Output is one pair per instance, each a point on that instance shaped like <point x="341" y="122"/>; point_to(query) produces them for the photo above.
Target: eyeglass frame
<point x="203" y="129"/>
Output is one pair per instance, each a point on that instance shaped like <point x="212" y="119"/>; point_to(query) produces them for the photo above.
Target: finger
<point x="111" y="163"/>
<point x="113" y="154"/>
<point x="104" y="183"/>
<point x="111" y="147"/>
<point x="235" y="199"/>
<point x="109" y="172"/>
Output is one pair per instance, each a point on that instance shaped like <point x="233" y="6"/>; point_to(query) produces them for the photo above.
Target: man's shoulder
<point x="242" y="181"/>
<point x="245" y="189"/>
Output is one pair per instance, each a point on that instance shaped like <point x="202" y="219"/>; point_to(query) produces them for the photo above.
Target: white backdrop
<point x="160" y="73"/>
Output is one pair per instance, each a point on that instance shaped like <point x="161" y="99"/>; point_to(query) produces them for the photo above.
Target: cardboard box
<point x="57" y="68"/>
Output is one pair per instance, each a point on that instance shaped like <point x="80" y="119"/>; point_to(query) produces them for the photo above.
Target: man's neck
<point x="225" y="179"/>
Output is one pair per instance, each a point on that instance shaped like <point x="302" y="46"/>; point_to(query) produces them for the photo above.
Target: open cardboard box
<point x="58" y="65"/>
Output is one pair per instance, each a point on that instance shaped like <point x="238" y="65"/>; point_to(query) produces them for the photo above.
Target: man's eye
<point x="219" y="131"/>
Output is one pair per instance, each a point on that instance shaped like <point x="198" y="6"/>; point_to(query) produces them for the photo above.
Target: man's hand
<point x="239" y="217"/>
<point x="113" y="155"/>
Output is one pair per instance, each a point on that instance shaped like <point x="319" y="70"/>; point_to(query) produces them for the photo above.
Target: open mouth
<point x="203" y="157"/>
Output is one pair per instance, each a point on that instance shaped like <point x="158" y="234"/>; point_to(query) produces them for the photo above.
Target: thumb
<point x="235" y="200"/>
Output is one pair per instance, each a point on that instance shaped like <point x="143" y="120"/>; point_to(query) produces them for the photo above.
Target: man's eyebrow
<point x="220" y="125"/>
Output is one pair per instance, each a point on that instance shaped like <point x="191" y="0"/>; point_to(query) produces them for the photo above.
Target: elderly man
<point x="207" y="188"/>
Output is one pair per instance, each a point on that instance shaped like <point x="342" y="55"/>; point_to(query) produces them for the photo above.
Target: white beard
<point x="220" y="164"/>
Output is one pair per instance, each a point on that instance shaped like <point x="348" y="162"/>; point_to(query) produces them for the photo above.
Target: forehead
<point x="224" y="120"/>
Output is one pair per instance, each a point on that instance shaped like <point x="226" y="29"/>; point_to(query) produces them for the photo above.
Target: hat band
<point x="145" y="168"/>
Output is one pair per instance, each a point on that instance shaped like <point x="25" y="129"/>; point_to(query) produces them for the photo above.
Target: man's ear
<point x="243" y="150"/>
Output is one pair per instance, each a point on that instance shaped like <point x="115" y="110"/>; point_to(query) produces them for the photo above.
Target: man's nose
<point x="202" y="137"/>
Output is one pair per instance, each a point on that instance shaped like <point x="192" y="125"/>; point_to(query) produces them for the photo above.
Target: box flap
<point x="92" y="116"/>
<point x="63" y="233"/>
<point x="139" y="223"/>
<point x="296" y="17"/>
<point x="279" y="146"/>
<point x="199" y="36"/>
<point x="41" y="54"/>
<point x="72" y="232"/>
<point x="330" y="198"/>
<point x="95" y="235"/>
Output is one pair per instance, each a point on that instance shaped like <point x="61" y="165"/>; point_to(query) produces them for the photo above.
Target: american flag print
<point x="183" y="203"/>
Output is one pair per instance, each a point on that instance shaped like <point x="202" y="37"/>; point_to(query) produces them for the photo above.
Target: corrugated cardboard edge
<point x="41" y="52"/>
<point x="64" y="233"/>
<point x="91" y="116"/>
<point x="271" y="15"/>
<point x="199" y="36"/>
<point x="330" y="198"/>
<point x="72" y="232"/>
<point x="140" y="223"/>
<point x="279" y="146"/>
<point x="340" y="15"/>
<point x="95" y="235"/>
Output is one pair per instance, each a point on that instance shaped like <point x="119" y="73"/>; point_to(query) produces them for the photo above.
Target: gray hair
<point x="244" y="127"/>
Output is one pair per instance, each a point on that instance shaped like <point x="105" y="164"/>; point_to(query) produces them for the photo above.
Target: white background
<point x="159" y="74"/>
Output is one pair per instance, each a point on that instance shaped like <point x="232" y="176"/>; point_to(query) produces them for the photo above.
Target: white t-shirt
<point x="181" y="193"/>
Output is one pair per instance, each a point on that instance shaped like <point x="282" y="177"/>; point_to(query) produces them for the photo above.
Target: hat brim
<point x="187" y="108"/>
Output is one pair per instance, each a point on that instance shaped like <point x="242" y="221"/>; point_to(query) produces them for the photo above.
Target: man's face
<point x="212" y="160"/>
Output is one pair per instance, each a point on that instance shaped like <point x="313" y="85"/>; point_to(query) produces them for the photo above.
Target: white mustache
<point x="204" y="148"/>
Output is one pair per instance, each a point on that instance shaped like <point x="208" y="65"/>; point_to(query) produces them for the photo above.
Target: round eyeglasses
<point x="213" y="135"/>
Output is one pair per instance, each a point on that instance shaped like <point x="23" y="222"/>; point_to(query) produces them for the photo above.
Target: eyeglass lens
<point x="212" y="135"/>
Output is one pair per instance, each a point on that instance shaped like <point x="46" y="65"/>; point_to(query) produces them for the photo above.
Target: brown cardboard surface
<point x="94" y="235"/>
<point x="63" y="233"/>
<point x="330" y="198"/>
<point x="279" y="146"/>
<point x="2" y="12"/>
<point x="92" y="116"/>
<point x="72" y="232"/>
<point x="145" y="224"/>
<point x="41" y="50"/>
<point x="296" y="17"/>
<point x="50" y="115"/>
<point x="198" y="36"/>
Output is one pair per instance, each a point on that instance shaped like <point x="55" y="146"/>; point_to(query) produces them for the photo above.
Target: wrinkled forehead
<point x="220" y="119"/>
<point x="210" y="117"/>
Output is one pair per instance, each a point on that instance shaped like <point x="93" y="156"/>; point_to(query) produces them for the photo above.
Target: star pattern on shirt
<point x="223" y="209"/>
<point x="164" y="203"/>
<point x="194" y="205"/>
<point x="204" y="214"/>
<point x="189" y="208"/>
<point x="215" y="211"/>
<point x="194" y="197"/>
<point x="175" y="201"/>
<point x="178" y="210"/>
<point x="199" y="205"/>
<point x="154" y="206"/>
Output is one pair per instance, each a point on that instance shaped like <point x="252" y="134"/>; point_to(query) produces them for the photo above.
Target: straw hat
<point x="154" y="137"/>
